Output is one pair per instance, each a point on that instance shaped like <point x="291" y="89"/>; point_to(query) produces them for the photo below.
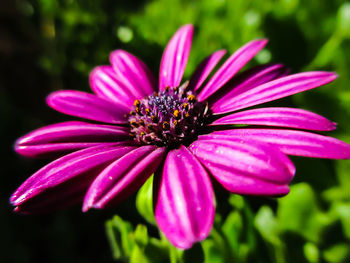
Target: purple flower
<point x="186" y="134"/>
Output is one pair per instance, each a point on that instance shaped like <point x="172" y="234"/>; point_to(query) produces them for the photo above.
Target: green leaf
<point x="267" y="225"/>
<point x="212" y="253"/>
<point x="141" y="235"/>
<point x="157" y="250"/>
<point x="236" y="201"/>
<point x="144" y="201"/>
<point x="311" y="252"/>
<point x="119" y="234"/>
<point x="338" y="253"/>
<point x="138" y="256"/>
<point x="232" y="228"/>
<point x="342" y="211"/>
<point x="298" y="212"/>
<point x="148" y="249"/>
<point x="343" y="19"/>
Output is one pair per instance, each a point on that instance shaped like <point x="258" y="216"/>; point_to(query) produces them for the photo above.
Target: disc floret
<point x="168" y="118"/>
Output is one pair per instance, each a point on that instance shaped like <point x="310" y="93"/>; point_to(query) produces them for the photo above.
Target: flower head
<point x="185" y="132"/>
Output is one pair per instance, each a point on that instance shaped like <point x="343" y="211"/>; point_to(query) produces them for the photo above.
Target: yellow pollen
<point x="176" y="113"/>
<point x="175" y="122"/>
<point x="147" y="111"/>
<point x="187" y="115"/>
<point x="142" y="133"/>
<point x="136" y="103"/>
<point x="165" y="125"/>
<point x="185" y="106"/>
<point x="191" y="98"/>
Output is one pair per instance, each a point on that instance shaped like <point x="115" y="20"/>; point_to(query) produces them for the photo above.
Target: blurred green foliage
<point x="312" y="223"/>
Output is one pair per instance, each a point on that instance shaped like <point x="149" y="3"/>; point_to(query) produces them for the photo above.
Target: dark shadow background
<point x="46" y="45"/>
<point x="67" y="236"/>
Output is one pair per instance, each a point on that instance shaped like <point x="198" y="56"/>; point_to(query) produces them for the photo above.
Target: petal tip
<point x="187" y="27"/>
<point x="96" y="71"/>
<point x="261" y="41"/>
<point x="333" y="126"/>
<point x="12" y="199"/>
<point x="221" y="52"/>
<point x="20" y="149"/>
<point x="50" y="98"/>
<point x="19" y="142"/>
<point x="334" y="75"/>
<point x="16" y="199"/>
<point x="89" y="201"/>
<point x="327" y="75"/>
<point x="117" y="52"/>
<point x="85" y="208"/>
<point x="17" y="210"/>
<point x="91" y="204"/>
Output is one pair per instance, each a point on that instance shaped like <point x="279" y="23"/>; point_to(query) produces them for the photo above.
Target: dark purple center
<point x="168" y="118"/>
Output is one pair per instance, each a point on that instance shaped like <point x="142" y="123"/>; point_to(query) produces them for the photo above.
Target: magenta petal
<point x="133" y="73"/>
<point x="290" y="142"/>
<point x="204" y="69"/>
<point x="184" y="203"/>
<point x="280" y="88"/>
<point x="88" y="106"/>
<point x="74" y="131"/>
<point x="123" y="177"/>
<point x="105" y="84"/>
<point x="245" y="167"/>
<point x="282" y="117"/>
<point x="245" y="81"/>
<point x="175" y="56"/>
<point x="51" y="150"/>
<point x="68" y="136"/>
<point x="67" y="168"/>
<point x="64" y="195"/>
<point x="232" y="65"/>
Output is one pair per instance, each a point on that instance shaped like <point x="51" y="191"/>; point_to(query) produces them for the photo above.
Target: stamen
<point x="136" y="103"/>
<point x="176" y="113"/>
<point x="166" y="125"/>
<point x="168" y="118"/>
<point x="134" y="123"/>
<point x="191" y="98"/>
<point x="138" y="111"/>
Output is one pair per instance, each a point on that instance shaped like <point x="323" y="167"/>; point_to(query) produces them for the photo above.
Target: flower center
<point x="169" y="118"/>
